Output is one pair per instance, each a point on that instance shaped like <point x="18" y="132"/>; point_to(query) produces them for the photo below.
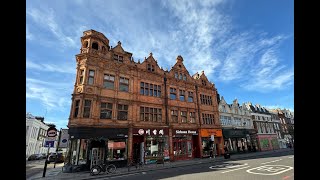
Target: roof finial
<point x="119" y="43"/>
<point x="151" y="54"/>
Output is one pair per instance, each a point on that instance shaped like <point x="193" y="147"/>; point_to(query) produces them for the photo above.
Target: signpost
<point x="51" y="135"/>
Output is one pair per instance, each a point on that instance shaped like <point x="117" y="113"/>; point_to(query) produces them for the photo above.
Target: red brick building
<point x="122" y="109"/>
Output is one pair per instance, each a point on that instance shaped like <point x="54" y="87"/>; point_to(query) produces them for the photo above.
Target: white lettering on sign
<point x="141" y="131"/>
<point x="52" y="133"/>
<point x="191" y="132"/>
<point x="186" y="132"/>
<point x="148" y="131"/>
<point x="161" y="132"/>
<point x="154" y="132"/>
<point x="181" y="132"/>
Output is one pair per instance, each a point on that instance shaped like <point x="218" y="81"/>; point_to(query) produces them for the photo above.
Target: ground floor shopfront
<point x="211" y="142"/>
<point x="240" y="140"/>
<point x="268" y="142"/>
<point x="90" y="146"/>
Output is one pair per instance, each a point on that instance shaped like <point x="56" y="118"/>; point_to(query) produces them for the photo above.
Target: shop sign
<point x="150" y="131"/>
<point x="184" y="132"/>
<point x="209" y="132"/>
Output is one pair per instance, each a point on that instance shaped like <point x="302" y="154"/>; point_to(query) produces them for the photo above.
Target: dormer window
<point x="184" y="77"/>
<point x="95" y="46"/>
<point x="118" y="58"/>
<point x="176" y="75"/>
<point x="204" y="82"/>
<point x="180" y="76"/>
<point x="150" y="68"/>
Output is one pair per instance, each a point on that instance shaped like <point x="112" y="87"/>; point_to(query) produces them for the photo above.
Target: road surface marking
<point x="269" y="169"/>
<point x="271" y="161"/>
<point x="225" y="166"/>
<point x="286" y="177"/>
<point x="291" y="157"/>
<point x="235" y="169"/>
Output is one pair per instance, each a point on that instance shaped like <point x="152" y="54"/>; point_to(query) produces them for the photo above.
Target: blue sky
<point x="244" y="47"/>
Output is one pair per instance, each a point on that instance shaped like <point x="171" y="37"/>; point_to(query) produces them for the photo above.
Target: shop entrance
<point x="138" y="148"/>
<point x="182" y="148"/>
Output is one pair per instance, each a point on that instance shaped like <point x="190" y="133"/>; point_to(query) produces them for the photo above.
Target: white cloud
<point x="61" y="68"/>
<point x="278" y="106"/>
<point x="53" y="95"/>
<point x="45" y="18"/>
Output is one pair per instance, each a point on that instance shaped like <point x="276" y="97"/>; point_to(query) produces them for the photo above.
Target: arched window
<point x="95" y="46"/>
<point x="85" y="44"/>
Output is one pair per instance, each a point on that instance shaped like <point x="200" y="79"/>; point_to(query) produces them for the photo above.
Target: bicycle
<point x="102" y="167"/>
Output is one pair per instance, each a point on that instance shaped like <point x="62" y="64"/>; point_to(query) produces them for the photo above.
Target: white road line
<point x="228" y="167"/>
<point x="235" y="169"/>
<point x="271" y="161"/>
<point x="291" y="157"/>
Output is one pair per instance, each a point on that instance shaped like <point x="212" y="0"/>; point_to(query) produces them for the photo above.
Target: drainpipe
<point x="198" y="106"/>
<point x="166" y="100"/>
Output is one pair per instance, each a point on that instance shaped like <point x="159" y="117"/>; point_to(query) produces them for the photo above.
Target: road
<point x="279" y="167"/>
<point x="36" y="166"/>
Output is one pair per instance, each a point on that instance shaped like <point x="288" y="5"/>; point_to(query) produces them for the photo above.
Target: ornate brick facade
<point x="112" y="91"/>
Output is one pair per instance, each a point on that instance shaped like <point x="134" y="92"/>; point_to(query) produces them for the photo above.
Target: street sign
<point x="64" y="138"/>
<point x="50" y="138"/>
<point x="51" y="132"/>
<point x="49" y="144"/>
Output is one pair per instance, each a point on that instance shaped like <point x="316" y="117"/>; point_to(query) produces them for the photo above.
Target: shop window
<point x="124" y="84"/>
<point x="174" y="115"/>
<point x="122" y="112"/>
<point x="117" y="150"/>
<point x="108" y="81"/>
<point x="105" y="111"/>
<point x="83" y="152"/>
<point x="156" y="147"/>
<point x="86" y="108"/>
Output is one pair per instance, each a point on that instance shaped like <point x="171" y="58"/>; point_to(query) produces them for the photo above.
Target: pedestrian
<point x="225" y="149"/>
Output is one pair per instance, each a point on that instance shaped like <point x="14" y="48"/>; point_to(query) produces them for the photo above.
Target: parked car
<point x="52" y="156"/>
<point x="35" y="157"/>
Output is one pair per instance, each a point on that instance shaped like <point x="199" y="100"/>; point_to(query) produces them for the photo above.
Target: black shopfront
<point x="239" y="140"/>
<point x="90" y="146"/>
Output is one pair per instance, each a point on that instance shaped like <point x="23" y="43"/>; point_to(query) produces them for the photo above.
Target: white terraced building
<point x="36" y="131"/>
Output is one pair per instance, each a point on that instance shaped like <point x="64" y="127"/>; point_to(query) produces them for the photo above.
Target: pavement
<point x="56" y="173"/>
